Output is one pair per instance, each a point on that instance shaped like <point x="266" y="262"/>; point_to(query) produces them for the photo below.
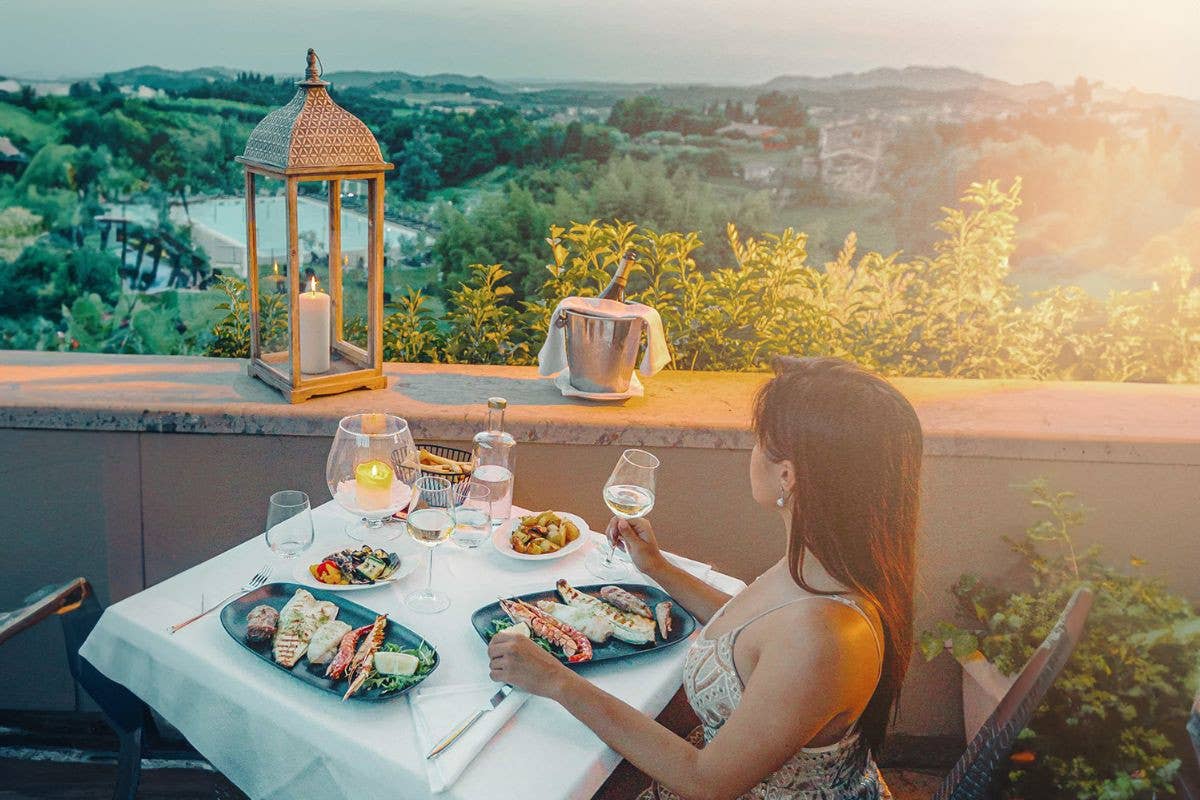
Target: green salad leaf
<point x="426" y="658"/>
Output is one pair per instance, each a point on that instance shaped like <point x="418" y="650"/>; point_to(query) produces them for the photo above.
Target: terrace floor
<point x="68" y="756"/>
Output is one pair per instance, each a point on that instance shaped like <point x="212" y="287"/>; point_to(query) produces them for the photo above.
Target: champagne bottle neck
<point x="616" y="287"/>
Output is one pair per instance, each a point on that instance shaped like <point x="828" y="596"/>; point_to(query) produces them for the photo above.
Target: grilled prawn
<point x="575" y="645"/>
<point x="337" y="667"/>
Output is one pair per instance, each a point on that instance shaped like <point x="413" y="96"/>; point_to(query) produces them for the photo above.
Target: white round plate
<point x="408" y="564"/>
<point x="501" y="538"/>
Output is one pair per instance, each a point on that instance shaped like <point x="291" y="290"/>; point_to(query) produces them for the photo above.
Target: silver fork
<point x="258" y="580"/>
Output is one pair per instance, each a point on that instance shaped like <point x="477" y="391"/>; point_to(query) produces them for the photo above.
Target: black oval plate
<point x="682" y="622"/>
<point x="233" y="617"/>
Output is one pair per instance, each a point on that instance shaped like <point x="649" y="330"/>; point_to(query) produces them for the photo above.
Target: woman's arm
<point x="689" y="591"/>
<point x="698" y="597"/>
<point x="798" y="685"/>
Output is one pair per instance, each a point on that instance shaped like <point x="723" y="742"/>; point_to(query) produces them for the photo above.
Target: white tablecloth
<point x="277" y="738"/>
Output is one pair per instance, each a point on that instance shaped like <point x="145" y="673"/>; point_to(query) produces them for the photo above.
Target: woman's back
<point x="842" y="770"/>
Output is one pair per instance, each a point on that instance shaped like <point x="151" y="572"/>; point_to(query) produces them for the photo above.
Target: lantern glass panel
<point x="354" y="261"/>
<point x="270" y="234"/>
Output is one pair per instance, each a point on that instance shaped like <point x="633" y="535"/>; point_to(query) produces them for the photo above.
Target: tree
<point x="416" y="166"/>
<point x="780" y="110"/>
<point x="638" y="115"/>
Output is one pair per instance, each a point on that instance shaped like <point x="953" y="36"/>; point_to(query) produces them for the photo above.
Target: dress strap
<point x="733" y="634"/>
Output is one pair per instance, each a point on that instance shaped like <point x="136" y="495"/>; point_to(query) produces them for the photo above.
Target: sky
<point x="1151" y="44"/>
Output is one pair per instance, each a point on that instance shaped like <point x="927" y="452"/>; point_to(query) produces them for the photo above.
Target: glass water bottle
<point x="494" y="457"/>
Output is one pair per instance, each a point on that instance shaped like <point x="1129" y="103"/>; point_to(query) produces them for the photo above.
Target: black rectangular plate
<point x="275" y="595"/>
<point x="682" y="622"/>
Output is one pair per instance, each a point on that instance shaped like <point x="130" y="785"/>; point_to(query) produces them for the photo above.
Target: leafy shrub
<point x="1102" y="733"/>
<point x="954" y="313"/>
<point x="231" y="336"/>
<point x="47" y="276"/>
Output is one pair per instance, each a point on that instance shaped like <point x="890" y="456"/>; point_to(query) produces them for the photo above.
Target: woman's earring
<point x="780" y="501"/>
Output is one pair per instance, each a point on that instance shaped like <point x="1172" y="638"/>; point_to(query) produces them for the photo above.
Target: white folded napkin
<point x="553" y="356"/>
<point x="437" y="711"/>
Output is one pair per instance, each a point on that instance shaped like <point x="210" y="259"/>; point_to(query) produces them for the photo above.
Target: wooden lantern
<point x="312" y="138"/>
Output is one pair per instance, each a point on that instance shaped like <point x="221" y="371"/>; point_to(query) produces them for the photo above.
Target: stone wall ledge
<point x="1067" y="421"/>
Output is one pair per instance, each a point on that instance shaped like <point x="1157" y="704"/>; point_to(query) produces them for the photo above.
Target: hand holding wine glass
<point x="629" y="493"/>
<point x="638" y="539"/>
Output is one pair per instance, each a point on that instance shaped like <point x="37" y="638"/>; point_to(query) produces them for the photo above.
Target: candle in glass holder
<point x="373" y="485"/>
<point x="374" y="423"/>
<point x="314" y="313"/>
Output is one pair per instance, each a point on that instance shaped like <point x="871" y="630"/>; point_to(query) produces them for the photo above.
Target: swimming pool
<point x="219" y="228"/>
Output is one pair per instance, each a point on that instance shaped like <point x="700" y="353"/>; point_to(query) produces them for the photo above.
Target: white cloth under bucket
<point x="552" y="359"/>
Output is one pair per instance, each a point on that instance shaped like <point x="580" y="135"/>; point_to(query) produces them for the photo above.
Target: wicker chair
<point x="76" y="606"/>
<point x="976" y="775"/>
<point x="1187" y="786"/>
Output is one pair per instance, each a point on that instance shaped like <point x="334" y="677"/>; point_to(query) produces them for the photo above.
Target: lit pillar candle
<point x="314" y="314"/>
<point x="373" y="485"/>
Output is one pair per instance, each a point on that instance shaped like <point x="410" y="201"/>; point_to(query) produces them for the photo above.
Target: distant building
<point x="10" y="86"/>
<point x="769" y="137"/>
<point x="851" y="156"/>
<point x="758" y="173"/>
<point x="12" y="160"/>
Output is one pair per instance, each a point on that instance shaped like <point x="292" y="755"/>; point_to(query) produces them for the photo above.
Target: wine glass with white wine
<point x="430" y="522"/>
<point x="629" y="494"/>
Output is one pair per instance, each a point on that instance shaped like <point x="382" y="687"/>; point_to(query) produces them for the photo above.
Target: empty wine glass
<point x="472" y="514"/>
<point x="430" y="522"/>
<point x="289" y="523"/>
<point x="368" y="472"/>
<point x="629" y="494"/>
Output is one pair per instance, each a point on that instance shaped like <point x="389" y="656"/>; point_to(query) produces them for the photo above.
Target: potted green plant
<point x="1106" y="729"/>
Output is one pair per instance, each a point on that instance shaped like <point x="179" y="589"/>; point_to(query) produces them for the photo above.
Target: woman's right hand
<point x="638" y="536"/>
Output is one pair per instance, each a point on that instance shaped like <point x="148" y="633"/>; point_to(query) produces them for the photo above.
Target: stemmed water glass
<point x="430" y="522"/>
<point x="366" y="473"/>
<point x="629" y="494"/>
<point x="289" y="523"/>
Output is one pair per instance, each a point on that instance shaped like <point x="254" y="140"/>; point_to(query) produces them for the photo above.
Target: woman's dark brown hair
<point x="855" y="443"/>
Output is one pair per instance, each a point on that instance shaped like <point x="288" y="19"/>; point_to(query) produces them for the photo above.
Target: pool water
<point x="226" y="217"/>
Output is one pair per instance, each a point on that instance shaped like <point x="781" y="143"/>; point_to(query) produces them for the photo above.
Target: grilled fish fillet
<point x="626" y="627"/>
<point x="299" y="619"/>
<point x="584" y="620"/>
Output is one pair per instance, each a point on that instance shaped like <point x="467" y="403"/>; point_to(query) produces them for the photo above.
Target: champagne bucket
<point x="601" y="351"/>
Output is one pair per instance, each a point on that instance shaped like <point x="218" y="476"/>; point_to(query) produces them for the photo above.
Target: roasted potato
<point x="539" y="534"/>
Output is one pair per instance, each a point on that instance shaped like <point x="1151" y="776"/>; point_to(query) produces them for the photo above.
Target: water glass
<point x="289" y="523"/>
<point x="472" y="515"/>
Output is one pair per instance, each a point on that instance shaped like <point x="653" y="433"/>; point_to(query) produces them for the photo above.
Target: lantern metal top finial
<point x="312" y="133"/>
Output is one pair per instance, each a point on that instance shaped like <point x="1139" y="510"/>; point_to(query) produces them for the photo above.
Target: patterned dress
<point x="841" y="771"/>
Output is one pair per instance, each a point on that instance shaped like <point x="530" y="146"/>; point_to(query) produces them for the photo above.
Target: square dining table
<point x="276" y="737"/>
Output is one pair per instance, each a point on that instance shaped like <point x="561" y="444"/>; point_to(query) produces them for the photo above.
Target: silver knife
<point x="466" y="724"/>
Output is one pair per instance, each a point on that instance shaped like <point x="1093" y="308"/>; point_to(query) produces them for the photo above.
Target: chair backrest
<point x="975" y="775"/>
<point x="49" y="600"/>
<point x="1187" y="784"/>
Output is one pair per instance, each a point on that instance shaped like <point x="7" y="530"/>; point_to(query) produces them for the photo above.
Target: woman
<point x="796" y="677"/>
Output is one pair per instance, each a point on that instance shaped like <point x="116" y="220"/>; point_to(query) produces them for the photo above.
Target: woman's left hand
<point x="517" y="660"/>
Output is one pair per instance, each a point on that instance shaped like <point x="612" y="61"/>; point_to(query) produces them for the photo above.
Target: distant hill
<point x="362" y="78"/>
<point x="923" y="79"/>
<point x="169" y="79"/>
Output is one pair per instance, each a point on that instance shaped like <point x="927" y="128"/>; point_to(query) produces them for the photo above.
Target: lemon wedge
<point x="520" y="629"/>
<point x="395" y="663"/>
